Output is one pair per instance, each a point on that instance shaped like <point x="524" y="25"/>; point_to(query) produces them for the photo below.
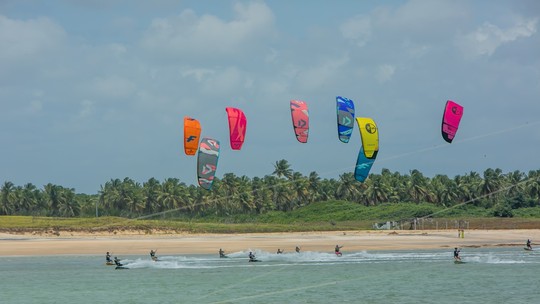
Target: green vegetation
<point x="321" y="216"/>
<point x="283" y="201"/>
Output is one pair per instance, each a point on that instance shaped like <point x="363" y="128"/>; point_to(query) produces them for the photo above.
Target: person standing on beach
<point x="456" y="254"/>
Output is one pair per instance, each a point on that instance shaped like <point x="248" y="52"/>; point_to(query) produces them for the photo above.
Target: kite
<point x="192" y="132"/>
<point x="451" y="118"/>
<point x="237" y="127"/>
<point x="363" y="165"/>
<point x="207" y="162"/>
<point x="345" y="118"/>
<point x="370" y="136"/>
<point x="300" y="120"/>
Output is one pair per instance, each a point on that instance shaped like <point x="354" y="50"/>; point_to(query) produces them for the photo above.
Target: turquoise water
<point x="496" y="275"/>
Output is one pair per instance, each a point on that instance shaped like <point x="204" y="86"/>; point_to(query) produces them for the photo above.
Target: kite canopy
<point x="451" y="118"/>
<point x="363" y="165"/>
<point x="192" y="133"/>
<point x="370" y="136"/>
<point x="300" y="120"/>
<point x="345" y="118"/>
<point x="237" y="127"/>
<point x="207" y="162"/>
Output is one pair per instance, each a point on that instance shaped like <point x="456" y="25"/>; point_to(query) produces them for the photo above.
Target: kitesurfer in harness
<point x="251" y="256"/>
<point x="456" y="255"/>
<point x="108" y="257"/>
<point x="153" y="254"/>
<point x="529" y="244"/>
<point x="279" y="251"/>
<point x="338" y="253"/>
<point x="117" y="261"/>
<point x="222" y="253"/>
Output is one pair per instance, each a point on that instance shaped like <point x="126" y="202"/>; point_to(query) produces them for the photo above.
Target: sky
<point x="97" y="90"/>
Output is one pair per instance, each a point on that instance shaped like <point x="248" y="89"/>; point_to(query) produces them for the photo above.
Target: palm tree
<point x="491" y="184"/>
<point x="299" y="189"/>
<point x="417" y="186"/>
<point x="52" y="197"/>
<point x="170" y="194"/>
<point x="313" y="187"/>
<point x="68" y="205"/>
<point x="347" y="188"/>
<point x="282" y="169"/>
<point x="533" y="185"/>
<point x="151" y="193"/>
<point x="7" y="196"/>
<point x="376" y="190"/>
<point x="28" y="200"/>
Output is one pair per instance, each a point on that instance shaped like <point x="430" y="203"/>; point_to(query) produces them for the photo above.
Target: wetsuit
<point x="108" y="258"/>
<point x="456" y="255"/>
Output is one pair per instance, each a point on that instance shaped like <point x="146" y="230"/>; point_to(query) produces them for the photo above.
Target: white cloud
<point x="23" y="40"/>
<point x="488" y="37"/>
<point x="385" y="72"/>
<point x="208" y="34"/>
<point x="87" y="108"/>
<point x="321" y="74"/>
<point x="198" y="73"/>
<point x="35" y="106"/>
<point x="115" y="87"/>
<point x="357" y="29"/>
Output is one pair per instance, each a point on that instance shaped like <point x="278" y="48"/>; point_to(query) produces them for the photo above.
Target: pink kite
<point x="451" y="118"/>
<point x="237" y="127"/>
<point x="300" y="120"/>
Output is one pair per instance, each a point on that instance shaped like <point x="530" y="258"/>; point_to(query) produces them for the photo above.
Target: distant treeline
<point x="283" y="190"/>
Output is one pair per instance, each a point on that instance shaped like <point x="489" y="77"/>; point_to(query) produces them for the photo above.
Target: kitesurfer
<point x="279" y="251"/>
<point x="117" y="261"/>
<point x="297" y="249"/>
<point x="251" y="256"/>
<point x="529" y="244"/>
<point x="456" y="254"/>
<point x="108" y="257"/>
<point x="222" y="253"/>
<point x="153" y="254"/>
<point x="338" y="253"/>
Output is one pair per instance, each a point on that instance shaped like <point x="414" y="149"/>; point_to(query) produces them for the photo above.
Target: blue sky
<point x="96" y="90"/>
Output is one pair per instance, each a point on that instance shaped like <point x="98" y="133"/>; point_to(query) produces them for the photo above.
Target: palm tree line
<point x="283" y="190"/>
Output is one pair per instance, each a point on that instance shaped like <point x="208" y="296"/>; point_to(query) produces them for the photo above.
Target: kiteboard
<point x="121" y="267"/>
<point x="254" y="260"/>
<point x="223" y="256"/>
<point x="109" y="263"/>
<point x="459" y="262"/>
<point x="528" y="249"/>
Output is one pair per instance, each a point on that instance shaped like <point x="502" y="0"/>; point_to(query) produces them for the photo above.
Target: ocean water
<point x="490" y="275"/>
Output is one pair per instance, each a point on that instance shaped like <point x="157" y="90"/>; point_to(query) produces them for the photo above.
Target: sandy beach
<point x="133" y="242"/>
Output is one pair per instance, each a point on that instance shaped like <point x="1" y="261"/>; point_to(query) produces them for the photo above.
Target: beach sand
<point x="134" y="242"/>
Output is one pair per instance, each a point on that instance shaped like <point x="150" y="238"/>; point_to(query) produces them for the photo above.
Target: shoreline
<point x="139" y="243"/>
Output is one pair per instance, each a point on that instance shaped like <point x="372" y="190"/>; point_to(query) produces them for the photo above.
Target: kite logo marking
<point x="190" y="138"/>
<point x="371" y="128"/>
